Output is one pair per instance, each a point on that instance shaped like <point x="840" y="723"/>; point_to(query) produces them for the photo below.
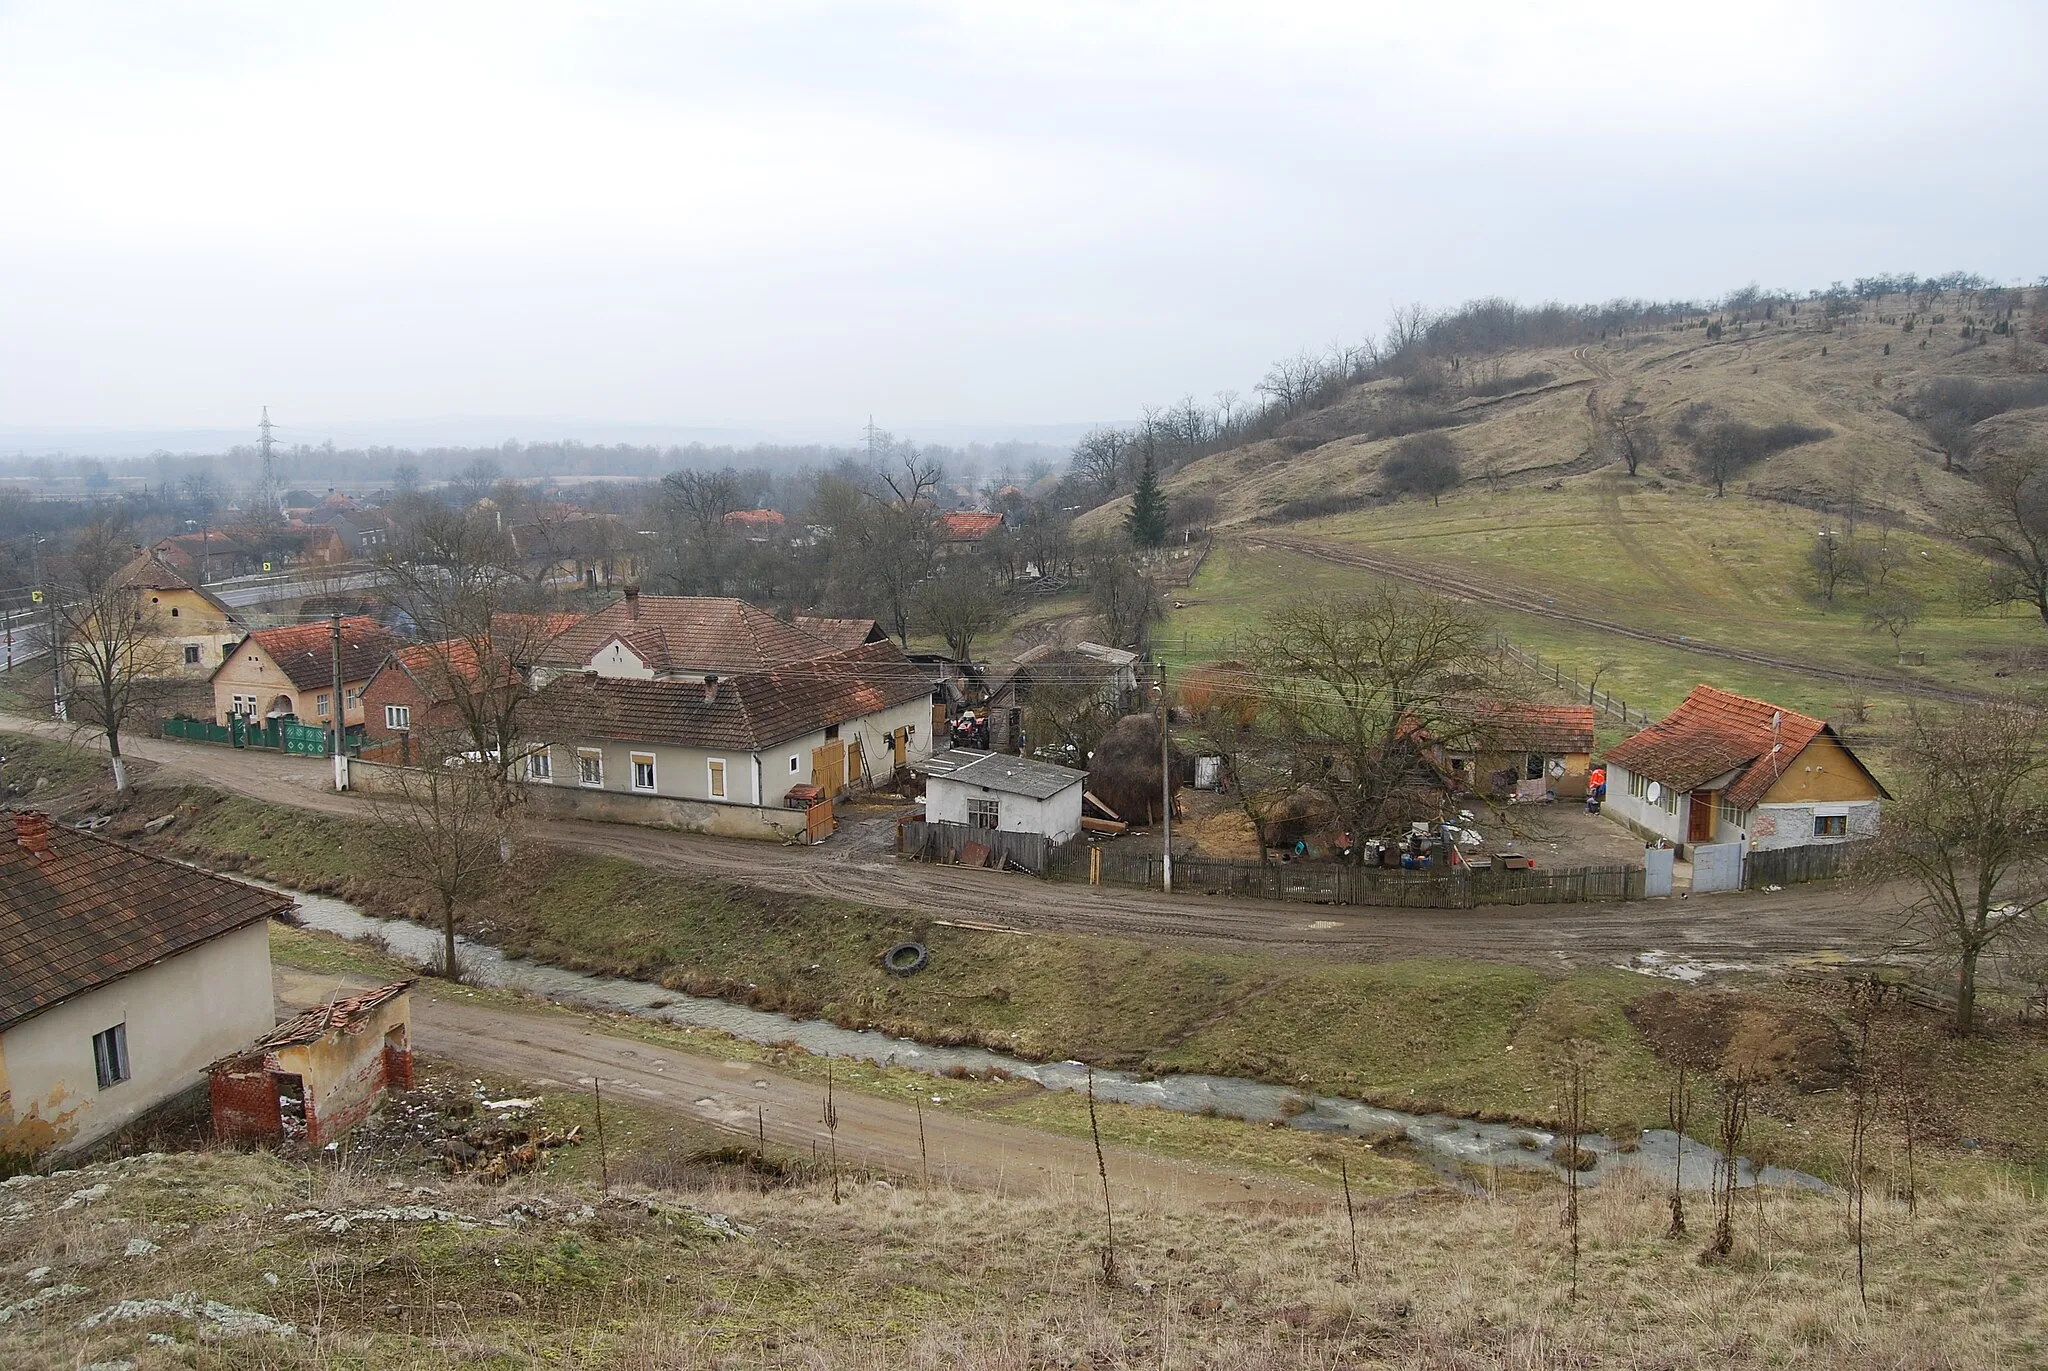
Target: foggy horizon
<point x="769" y="226"/>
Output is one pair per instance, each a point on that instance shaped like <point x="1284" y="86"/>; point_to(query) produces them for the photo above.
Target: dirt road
<point x="1746" y="927"/>
<point x="563" y="1052"/>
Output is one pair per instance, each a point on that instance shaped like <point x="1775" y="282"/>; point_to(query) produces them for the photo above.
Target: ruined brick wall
<point x="245" y="1105"/>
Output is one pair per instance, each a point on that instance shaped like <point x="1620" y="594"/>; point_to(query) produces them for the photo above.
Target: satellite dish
<point x="1777" y="718"/>
<point x="1654" y="793"/>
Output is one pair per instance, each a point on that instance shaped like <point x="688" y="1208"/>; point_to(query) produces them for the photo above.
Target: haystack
<point x="1123" y="771"/>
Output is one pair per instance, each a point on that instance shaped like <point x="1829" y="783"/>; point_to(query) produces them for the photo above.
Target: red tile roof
<point x="756" y="518"/>
<point x="305" y="652"/>
<point x="843" y="635"/>
<point x="1550" y="729"/>
<point x="350" y="1014"/>
<point x="92" y="910"/>
<point x="1713" y="732"/>
<point x="694" y="633"/>
<point x="967" y="526"/>
<point x="745" y="713"/>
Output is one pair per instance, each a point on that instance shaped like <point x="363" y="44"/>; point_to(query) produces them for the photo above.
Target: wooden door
<point x="901" y="739"/>
<point x="856" y="763"/>
<point x="1700" y="825"/>
<point x="828" y="767"/>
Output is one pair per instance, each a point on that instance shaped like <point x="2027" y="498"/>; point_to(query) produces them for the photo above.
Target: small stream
<point x="1453" y="1145"/>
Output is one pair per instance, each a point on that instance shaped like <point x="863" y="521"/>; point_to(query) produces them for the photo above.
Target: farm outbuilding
<point x="1124" y="772"/>
<point x="995" y="791"/>
<point x="316" y="1076"/>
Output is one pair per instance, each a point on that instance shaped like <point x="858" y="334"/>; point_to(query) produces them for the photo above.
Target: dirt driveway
<point x="1749" y="927"/>
<point x="563" y="1052"/>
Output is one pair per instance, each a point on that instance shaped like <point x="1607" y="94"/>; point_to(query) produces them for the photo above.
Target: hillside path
<point x="1748" y="927"/>
<point x="1494" y="590"/>
<point x="564" y="1052"/>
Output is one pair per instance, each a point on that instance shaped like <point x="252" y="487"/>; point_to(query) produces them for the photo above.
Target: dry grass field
<point x="225" y="1260"/>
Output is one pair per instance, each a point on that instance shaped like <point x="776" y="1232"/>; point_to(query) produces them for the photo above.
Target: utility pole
<point x="48" y="581"/>
<point x="340" y="717"/>
<point x="264" y="445"/>
<point x="1165" y="781"/>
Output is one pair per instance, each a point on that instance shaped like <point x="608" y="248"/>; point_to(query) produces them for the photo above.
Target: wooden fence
<point x="1332" y="883"/>
<point x="1559" y="679"/>
<point x="929" y="841"/>
<point x="1794" y="865"/>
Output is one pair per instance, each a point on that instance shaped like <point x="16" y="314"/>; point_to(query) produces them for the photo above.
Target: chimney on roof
<point x="710" y="690"/>
<point x="32" y="831"/>
<point x="633" y="602"/>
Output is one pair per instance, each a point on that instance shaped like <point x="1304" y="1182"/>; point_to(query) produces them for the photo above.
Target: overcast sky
<point x="784" y="217"/>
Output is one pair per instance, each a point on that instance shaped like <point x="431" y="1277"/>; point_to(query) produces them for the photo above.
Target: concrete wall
<point x="1791" y="825"/>
<point x="1058" y="817"/>
<point x="182" y="1014"/>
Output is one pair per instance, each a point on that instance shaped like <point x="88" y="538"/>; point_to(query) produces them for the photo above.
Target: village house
<point x="961" y="532"/>
<point x="1529" y="751"/>
<point x="122" y="975"/>
<point x="315" y="1076"/>
<point x="573" y="546"/>
<point x="208" y="556"/>
<point x="194" y="630"/>
<point x="1723" y="768"/>
<point x="413" y="698"/>
<point x="288" y="673"/>
<point x="756" y="525"/>
<point x="835" y="723"/>
<point x="664" y="637"/>
<point x="995" y="792"/>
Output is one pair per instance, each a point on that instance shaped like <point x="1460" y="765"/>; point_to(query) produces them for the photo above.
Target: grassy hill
<point x="1652" y="579"/>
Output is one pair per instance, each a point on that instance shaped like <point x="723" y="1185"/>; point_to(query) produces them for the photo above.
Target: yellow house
<point x="196" y="630"/>
<point x="288" y="673"/>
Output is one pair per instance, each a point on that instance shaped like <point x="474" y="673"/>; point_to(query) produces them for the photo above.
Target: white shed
<point x="993" y="790"/>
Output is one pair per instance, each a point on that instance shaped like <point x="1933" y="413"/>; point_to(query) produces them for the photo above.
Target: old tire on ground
<point x="904" y="958"/>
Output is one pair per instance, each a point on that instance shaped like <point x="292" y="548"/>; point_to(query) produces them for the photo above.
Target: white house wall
<point x="181" y="1014"/>
<point x="1639" y="813"/>
<point x="1058" y="817"/>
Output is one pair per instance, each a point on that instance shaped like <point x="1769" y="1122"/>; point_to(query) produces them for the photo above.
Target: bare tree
<point x="1635" y="437"/>
<point x="1829" y="559"/>
<point x="441" y="829"/>
<point x="1970" y="831"/>
<point x="1102" y="461"/>
<point x="1356" y="680"/>
<point x="960" y="604"/>
<point x="116" y="645"/>
<point x="2007" y="523"/>
<point x="693" y="508"/>
<point x="1893" y="610"/>
<point x="1426" y="464"/>
<point x="1229" y="721"/>
<point x="1122" y="593"/>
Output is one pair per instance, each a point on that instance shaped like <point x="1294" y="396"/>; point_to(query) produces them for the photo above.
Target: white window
<point x="354" y="698"/>
<point x="590" y="767"/>
<point x="1831" y="825"/>
<point x="717" y="769"/>
<point x="110" y="1055"/>
<point x="321" y="704"/>
<point x="191" y="654"/>
<point x="984" y="813"/>
<point x="792" y="766"/>
<point x="398" y="718"/>
<point x="540" y="765"/>
<point x="643" y="771"/>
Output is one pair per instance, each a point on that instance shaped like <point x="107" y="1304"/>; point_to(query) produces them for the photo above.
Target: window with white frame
<point x="354" y="698"/>
<point x="321" y="704"/>
<point x="643" y="771"/>
<point x="1731" y="817"/>
<point x="110" y="1055"/>
<point x="398" y="718"/>
<point x="984" y="813"/>
<point x="540" y="765"/>
<point x="590" y="767"/>
<point x="716" y="771"/>
<point x="191" y="654"/>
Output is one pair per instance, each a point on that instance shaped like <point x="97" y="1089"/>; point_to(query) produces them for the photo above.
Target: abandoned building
<point x="314" y="1077"/>
<point x="121" y="976"/>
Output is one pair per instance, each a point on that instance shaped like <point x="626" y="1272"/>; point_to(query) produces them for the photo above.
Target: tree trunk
<point x="120" y="763"/>
<point x="1966" y="993"/>
<point x="449" y="966"/>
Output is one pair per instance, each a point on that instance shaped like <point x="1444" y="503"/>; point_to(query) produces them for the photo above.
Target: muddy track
<point x="1505" y="594"/>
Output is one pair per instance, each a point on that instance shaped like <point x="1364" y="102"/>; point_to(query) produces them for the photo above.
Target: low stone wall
<point x="615" y="807"/>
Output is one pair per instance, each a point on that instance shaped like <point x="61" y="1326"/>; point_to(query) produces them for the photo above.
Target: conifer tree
<point x="1146" y="523"/>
